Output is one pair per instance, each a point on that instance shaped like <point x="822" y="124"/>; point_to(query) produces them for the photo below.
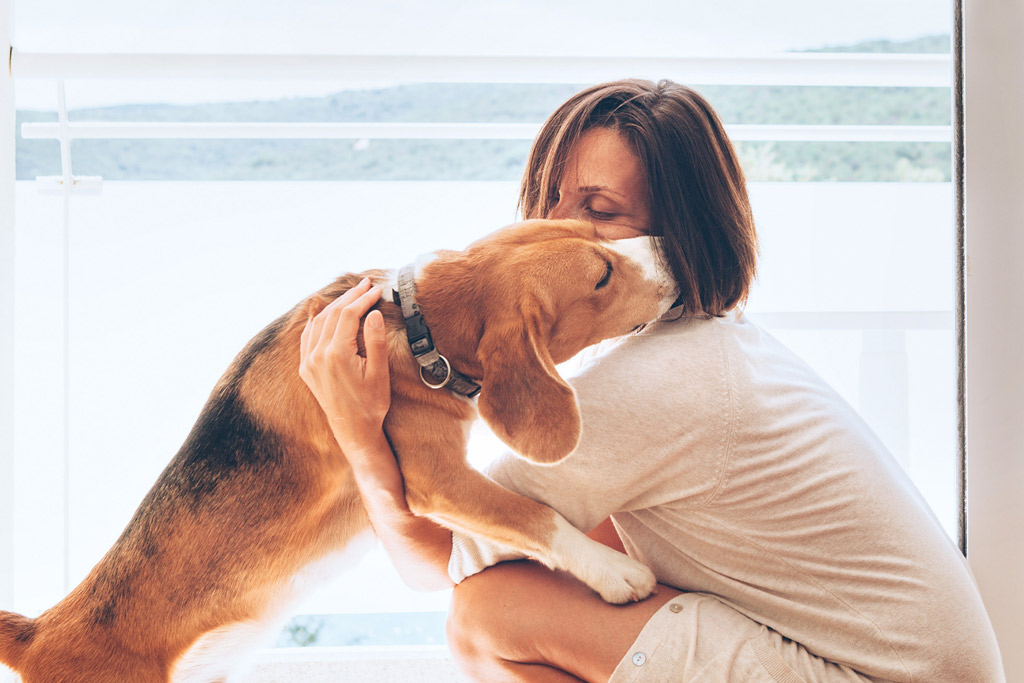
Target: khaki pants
<point x="698" y="638"/>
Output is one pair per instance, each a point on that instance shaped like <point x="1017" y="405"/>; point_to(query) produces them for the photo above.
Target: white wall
<point x="994" y="201"/>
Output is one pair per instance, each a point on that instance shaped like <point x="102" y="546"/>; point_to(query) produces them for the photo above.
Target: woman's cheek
<point x="618" y="232"/>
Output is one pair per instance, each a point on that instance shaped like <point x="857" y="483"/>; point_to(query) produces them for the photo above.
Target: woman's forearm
<point x="418" y="547"/>
<point x="355" y="394"/>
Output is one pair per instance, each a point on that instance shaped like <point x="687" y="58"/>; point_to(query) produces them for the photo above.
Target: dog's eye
<point x="607" y="275"/>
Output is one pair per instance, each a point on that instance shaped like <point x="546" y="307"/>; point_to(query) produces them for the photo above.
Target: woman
<point x="788" y="544"/>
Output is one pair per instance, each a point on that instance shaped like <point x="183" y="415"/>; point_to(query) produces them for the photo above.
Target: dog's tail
<point x="16" y="633"/>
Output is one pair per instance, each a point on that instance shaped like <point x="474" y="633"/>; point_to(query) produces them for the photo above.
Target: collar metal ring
<point x="447" y="377"/>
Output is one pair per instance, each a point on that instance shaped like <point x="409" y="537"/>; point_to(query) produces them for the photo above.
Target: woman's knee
<point x="491" y="618"/>
<point x="471" y="624"/>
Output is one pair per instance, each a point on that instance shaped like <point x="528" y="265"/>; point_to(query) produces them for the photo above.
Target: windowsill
<point x="411" y="664"/>
<point x="368" y="664"/>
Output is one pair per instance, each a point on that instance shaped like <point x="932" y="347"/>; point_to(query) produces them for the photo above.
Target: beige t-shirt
<point x="729" y="467"/>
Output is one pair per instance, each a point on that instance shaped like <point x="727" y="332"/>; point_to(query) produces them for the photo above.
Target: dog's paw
<point x="619" y="579"/>
<point x="616" y="577"/>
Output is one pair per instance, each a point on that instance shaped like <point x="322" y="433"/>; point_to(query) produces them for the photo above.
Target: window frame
<point x="990" y="247"/>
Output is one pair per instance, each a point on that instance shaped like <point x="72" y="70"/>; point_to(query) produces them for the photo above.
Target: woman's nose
<point x="562" y="210"/>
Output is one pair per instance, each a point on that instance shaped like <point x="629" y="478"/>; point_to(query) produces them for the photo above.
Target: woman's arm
<point x="355" y="394"/>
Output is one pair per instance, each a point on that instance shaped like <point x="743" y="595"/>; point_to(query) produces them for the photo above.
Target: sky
<point x="508" y="27"/>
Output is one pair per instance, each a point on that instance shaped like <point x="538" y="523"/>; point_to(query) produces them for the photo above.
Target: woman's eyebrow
<point x="586" y="189"/>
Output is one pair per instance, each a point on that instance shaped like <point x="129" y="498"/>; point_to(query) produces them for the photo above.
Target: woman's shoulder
<point x="692" y="356"/>
<point x="676" y="355"/>
<point x="686" y="339"/>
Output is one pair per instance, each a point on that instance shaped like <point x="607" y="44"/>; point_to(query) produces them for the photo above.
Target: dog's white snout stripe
<point x="646" y="252"/>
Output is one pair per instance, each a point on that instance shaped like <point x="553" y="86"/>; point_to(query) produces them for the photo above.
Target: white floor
<point x="383" y="665"/>
<point x="426" y="664"/>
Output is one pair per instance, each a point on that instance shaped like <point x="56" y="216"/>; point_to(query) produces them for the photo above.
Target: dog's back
<point x="16" y="634"/>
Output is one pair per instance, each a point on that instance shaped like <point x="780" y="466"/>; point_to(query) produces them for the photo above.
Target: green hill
<point x="940" y="44"/>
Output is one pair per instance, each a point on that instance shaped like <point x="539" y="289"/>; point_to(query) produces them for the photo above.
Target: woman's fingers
<point x="375" y="340"/>
<point x="321" y="329"/>
<point x="354" y="392"/>
<point x="346" y="329"/>
<point x="324" y="323"/>
<point x="329" y="339"/>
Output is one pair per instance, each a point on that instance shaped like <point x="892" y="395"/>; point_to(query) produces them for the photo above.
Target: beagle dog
<point x="260" y="496"/>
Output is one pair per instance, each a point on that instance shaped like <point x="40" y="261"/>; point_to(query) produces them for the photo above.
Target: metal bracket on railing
<point x="54" y="184"/>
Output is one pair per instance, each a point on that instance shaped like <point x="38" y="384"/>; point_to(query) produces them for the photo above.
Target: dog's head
<point x="549" y="289"/>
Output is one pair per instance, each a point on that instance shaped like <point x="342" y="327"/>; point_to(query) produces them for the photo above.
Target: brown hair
<point x="696" y="190"/>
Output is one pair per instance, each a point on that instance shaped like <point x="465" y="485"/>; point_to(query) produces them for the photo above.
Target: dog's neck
<point x="436" y="371"/>
<point x="442" y="295"/>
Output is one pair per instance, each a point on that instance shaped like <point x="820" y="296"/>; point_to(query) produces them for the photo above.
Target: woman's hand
<point x="354" y="392"/>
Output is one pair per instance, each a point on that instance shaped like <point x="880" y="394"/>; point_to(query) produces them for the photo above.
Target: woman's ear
<point x="524" y="400"/>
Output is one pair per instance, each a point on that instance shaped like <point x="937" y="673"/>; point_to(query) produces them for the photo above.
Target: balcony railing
<point x="797" y="69"/>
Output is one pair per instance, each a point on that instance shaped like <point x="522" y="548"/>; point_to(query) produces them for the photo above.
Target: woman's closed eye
<point x="600" y="215"/>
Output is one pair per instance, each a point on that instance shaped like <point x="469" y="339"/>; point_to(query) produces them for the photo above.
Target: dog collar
<point x="431" y="363"/>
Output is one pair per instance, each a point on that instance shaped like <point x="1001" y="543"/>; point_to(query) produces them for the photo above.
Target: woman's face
<point x="604" y="183"/>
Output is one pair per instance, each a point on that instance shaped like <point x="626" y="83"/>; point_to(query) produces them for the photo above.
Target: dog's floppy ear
<point x="525" y="402"/>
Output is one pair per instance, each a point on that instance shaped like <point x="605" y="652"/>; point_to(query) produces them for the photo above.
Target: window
<point x="192" y="242"/>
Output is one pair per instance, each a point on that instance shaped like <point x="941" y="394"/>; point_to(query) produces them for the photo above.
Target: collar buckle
<point x="418" y="334"/>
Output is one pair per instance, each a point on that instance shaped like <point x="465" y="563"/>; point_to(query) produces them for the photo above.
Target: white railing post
<point x="993" y="99"/>
<point x="7" y="177"/>
<point x="885" y="389"/>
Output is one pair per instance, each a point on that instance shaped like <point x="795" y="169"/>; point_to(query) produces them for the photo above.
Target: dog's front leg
<point x="469" y="502"/>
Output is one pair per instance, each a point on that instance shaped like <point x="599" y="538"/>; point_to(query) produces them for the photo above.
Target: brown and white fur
<point x="260" y="498"/>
